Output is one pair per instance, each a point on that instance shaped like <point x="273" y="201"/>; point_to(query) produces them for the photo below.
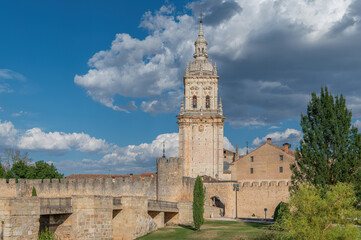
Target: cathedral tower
<point x="201" y="118"/>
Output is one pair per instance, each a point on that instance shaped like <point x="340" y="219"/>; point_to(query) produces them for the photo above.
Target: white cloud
<point x="142" y="156"/>
<point x="7" y="134"/>
<point x="261" y="47"/>
<point x="357" y="124"/>
<point x="289" y="136"/>
<point x="37" y="140"/>
<point x="140" y="68"/>
<point x="20" y="113"/>
<point x="10" y="74"/>
<point x="228" y="145"/>
<point x="137" y="158"/>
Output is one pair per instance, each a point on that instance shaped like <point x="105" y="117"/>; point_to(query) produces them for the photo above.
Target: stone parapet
<point x="137" y="186"/>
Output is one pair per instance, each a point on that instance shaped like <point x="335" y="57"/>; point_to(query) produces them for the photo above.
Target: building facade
<point x="201" y="117"/>
<point x="269" y="162"/>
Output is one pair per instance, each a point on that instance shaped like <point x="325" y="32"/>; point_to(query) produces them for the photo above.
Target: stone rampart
<point x="252" y="198"/>
<point x="137" y="186"/>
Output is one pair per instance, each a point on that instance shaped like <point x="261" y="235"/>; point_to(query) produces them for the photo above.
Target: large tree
<point x="330" y="151"/>
<point x="198" y="203"/>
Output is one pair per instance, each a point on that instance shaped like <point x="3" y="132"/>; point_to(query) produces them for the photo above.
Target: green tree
<point x="19" y="169"/>
<point x="322" y="214"/>
<point x="44" y="170"/>
<point x="198" y="203"/>
<point x="330" y="151"/>
<point x="2" y="172"/>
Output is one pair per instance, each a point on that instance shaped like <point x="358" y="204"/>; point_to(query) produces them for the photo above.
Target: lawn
<point x="221" y="230"/>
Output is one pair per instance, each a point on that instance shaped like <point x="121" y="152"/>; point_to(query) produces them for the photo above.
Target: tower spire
<point x="200" y="25"/>
<point x="200" y="53"/>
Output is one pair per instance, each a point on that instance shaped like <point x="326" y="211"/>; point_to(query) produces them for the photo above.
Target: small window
<point x="251" y="159"/>
<point x="251" y="170"/>
<point x="194" y="102"/>
<point x="208" y="102"/>
<point x="281" y="169"/>
<point x="281" y="157"/>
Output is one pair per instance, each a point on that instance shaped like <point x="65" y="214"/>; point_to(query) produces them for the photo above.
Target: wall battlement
<point x="135" y="186"/>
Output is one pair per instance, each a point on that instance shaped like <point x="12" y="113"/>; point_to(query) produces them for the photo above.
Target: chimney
<point x="269" y="140"/>
<point x="286" y="146"/>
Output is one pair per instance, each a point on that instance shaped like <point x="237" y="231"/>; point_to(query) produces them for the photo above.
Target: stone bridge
<point x="89" y="216"/>
<point x="50" y="206"/>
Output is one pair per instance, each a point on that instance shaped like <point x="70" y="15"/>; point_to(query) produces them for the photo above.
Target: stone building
<point x="201" y="117"/>
<point x="268" y="162"/>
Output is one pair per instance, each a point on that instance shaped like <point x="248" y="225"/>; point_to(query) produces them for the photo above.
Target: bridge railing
<point x="55" y="205"/>
<point x="162" y="204"/>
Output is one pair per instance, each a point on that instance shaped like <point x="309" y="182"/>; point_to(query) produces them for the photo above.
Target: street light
<point x="236" y="189"/>
<point x="265" y="213"/>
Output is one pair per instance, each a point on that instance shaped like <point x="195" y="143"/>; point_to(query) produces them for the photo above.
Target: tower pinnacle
<point x="200" y="44"/>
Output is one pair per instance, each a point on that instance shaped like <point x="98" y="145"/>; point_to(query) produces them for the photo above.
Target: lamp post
<point x="265" y="213"/>
<point x="236" y="189"/>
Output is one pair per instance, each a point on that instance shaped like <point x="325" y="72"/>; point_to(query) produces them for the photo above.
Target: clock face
<point x="201" y="128"/>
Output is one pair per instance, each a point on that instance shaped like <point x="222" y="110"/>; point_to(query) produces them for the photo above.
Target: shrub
<point x="322" y="214"/>
<point x="34" y="192"/>
<point x="46" y="235"/>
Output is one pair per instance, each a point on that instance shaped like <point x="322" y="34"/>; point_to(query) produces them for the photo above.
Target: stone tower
<point x="201" y="117"/>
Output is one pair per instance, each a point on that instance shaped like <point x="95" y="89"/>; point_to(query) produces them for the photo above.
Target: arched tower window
<point x="194" y="101"/>
<point x="208" y="102"/>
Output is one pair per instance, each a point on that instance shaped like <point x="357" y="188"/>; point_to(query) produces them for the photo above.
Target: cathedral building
<point x="201" y="117"/>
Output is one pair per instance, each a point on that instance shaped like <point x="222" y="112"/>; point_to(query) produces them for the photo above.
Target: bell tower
<point x="201" y="117"/>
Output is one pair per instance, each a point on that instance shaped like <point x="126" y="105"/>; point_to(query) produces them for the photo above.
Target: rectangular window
<point x="281" y="157"/>
<point x="251" y="170"/>
<point x="281" y="169"/>
<point x="251" y="159"/>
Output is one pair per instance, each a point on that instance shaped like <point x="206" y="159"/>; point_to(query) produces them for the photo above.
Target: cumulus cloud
<point x="357" y="124"/>
<point x="7" y="134"/>
<point x="142" y="156"/>
<point x="271" y="55"/>
<point x="141" y="68"/>
<point x="289" y="136"/>
<point x="131" y="157"/>
<point x="37" y="140"/>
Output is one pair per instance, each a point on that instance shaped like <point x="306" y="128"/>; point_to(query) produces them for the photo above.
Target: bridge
<point x="50" y="206"/>
<point x="70" y="214"/>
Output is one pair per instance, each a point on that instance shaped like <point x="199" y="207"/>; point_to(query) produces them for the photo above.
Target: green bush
<point x="198" y="203"/>
<point x="46" y="235"/>
<point x="322" y="214"/>
<point x="34" y="192"/>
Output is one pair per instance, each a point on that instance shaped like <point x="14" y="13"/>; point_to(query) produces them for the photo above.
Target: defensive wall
<point x="252" y="197"/>
<point x="67" y="187"/>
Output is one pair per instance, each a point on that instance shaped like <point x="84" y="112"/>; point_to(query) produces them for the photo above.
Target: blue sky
<point x="94" y="86"/>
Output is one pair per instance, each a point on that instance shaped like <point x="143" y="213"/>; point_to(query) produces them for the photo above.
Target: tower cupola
<point x="200" y="44"/>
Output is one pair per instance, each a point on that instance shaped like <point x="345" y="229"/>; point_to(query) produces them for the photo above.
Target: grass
<point x="216" y="230"/>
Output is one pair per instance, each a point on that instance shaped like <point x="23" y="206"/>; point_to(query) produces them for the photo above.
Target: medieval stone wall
<point x="252" y="197"/>
<point x="67" y="187"/>
<point x="19" y="218"/>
